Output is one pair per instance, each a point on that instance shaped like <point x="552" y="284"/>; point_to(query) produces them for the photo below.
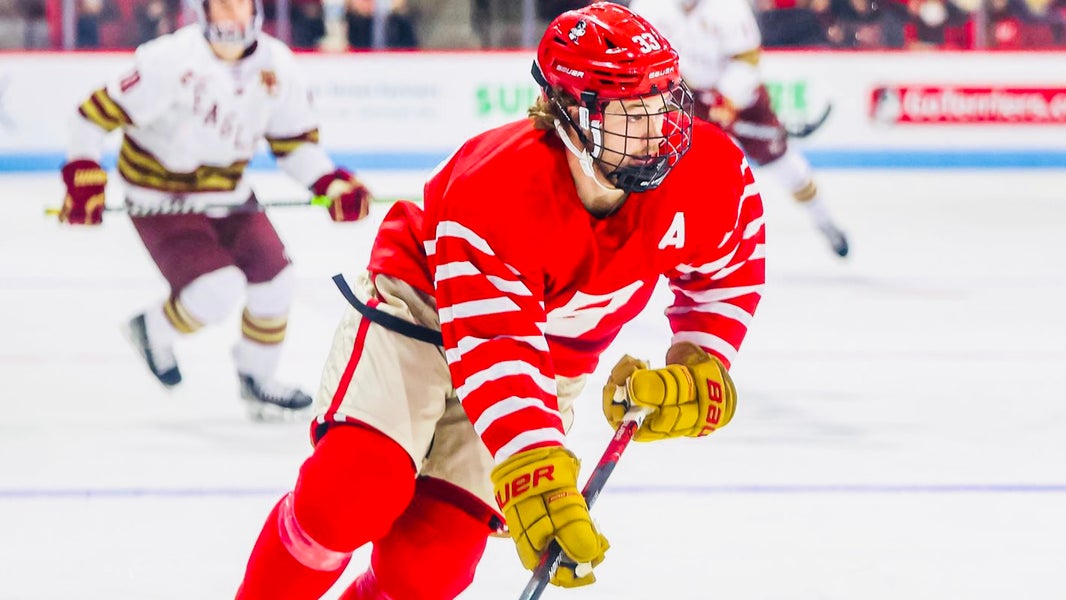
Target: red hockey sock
<point x="350" y="491"/>
<point x="365" y="587"/>
<point x="432" y="549"/>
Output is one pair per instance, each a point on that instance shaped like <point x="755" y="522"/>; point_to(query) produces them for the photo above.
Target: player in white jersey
<point x="192" y="111"/>
<point x="719" y="45"/>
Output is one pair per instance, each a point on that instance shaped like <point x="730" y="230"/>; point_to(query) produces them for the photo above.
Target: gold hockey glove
<point x="537" y="492"/>
<point x="692" y="396"/>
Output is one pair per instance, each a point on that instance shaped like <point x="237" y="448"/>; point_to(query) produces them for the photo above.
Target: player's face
<point x="633" y="130"/>
<point x="238" y="12"/>
<point x="230" y="23"/>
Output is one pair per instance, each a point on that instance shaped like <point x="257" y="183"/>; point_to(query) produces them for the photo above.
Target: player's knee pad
<point x="300" y="544"/>
<point x="444" y="531"/>
<point x="212" y="296"/>
<point x="353" y="487"/>
<point x="271" y="298"/>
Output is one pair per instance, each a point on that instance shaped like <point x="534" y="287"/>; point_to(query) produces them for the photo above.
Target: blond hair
<point x="544" y="112"/>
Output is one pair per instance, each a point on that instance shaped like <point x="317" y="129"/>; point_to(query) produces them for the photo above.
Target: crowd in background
<point x="469" y="24"/>
<point x="913" y="24"/>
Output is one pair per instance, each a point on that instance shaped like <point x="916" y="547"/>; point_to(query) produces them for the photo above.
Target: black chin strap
<point x="249" y="50"/>
<point x="636" y="179"/>
<point x="588" y="98"/>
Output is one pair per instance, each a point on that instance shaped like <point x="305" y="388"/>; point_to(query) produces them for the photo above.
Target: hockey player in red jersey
<point x="192" y="111"/>
<point x="451" y="382"/>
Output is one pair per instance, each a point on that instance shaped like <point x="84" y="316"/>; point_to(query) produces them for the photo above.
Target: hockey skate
<point x="160" y="360"/>
<point x="837" y="240"/>
<point x="267" y="400"/>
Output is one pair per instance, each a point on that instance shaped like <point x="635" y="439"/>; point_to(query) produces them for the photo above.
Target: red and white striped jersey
<point x="530" y="285"/>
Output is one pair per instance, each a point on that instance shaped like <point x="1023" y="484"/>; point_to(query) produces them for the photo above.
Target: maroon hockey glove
<point x="350" y="198"/>
<point x="84" y="204"/>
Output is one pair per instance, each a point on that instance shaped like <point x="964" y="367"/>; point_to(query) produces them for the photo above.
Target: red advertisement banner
<point x="926" y="104"/>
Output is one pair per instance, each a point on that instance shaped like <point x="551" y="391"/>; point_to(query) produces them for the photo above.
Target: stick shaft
<point x="52" y="211"/>
<point x="809" y="128"/>
<point x="553" y="556"/>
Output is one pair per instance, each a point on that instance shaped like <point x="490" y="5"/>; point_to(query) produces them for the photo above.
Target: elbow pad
<point x="85" y="139"/>
<point x="740" y="83"/>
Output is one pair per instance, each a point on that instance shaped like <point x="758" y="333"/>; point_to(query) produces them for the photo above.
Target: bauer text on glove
<point x="537" y="492"/>
<point x="692" y="396"/>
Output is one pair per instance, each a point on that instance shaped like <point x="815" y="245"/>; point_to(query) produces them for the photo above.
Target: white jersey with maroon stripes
<point x="193" y="121"/>
<point x="529" y="285"/>
<point x="705" y="38"/>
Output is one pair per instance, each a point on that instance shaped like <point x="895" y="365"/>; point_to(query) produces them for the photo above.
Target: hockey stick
<point x="811" y="127"/>
<point x="180" y="209"/>
<point x="769" y="133"/>
<point x="549" y="562"/>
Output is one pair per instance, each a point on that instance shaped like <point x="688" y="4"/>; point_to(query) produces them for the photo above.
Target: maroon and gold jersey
<point x="191" y="121"/>
<point x="530" y="285"/>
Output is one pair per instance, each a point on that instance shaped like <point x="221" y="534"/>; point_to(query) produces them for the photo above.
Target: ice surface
<point x="901" y="432"/>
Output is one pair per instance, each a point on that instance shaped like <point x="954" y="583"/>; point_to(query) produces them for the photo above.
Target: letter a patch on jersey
<point x="675" y="235"/>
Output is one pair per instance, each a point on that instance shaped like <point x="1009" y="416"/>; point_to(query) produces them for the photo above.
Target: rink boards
<point x="404" y="111"/>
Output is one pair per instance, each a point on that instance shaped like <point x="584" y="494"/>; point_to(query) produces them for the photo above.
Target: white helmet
<point x="243" y="34"/>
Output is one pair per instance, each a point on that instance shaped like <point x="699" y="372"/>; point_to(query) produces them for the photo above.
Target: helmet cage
<point x="242" y="34"/>
<point x="605" y="53"/>
<point x="645" y="171"/>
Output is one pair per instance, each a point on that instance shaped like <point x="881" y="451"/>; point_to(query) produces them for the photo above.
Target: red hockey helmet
<point x="605" y="52"/>
<point x="608" y="50"/>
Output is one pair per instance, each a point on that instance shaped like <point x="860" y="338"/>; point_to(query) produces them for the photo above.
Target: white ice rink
<point x="901" y="432"/>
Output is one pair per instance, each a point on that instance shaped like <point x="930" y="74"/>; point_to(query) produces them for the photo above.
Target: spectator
<point x="830" y="22"/>
<point x="1012" y="24"/>
<point x="87" y="27"/>
<point x="12" y="29"/>
<point x="35" y="34"/>
<point x="308" y="23"/>
<point x="153" y="20"/>
<point x="936" y="24"/>
<point x="360" y="19"/>
<point x="793" y="27"/>
<point x="399" y="25"/>
<point x="1057" y="20"/>
<point x="869" y="24"/>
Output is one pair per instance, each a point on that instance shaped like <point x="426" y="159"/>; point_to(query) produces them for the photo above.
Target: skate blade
<point x="264" y="412"/>
<point x="169" y="380"/>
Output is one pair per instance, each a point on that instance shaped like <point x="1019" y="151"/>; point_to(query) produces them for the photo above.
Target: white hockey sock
<point x="161" y="335"/>
<point x="271" y="298"/>
<point x="255" y="359"/>
<point x="791" y="170"/>
<point x="265" y="317"/>
<point x="212" y="296"/>
<point x="818" y="211"/>
<point x="794" y="173"/>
